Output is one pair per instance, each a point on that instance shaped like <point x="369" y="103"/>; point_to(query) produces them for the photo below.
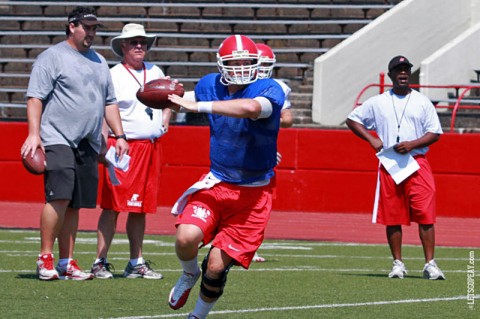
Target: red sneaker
<point x="73" y="272"/>
<point x="45" y="269"/>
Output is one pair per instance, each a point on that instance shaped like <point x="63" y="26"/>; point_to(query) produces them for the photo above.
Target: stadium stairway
<point x="467" y="117"/>
<point x="188" y="36"/>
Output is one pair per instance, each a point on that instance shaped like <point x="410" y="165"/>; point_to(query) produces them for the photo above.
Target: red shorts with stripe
<point x="413" y="200"/>
<point x="233" y="218"/>
<point x="138" y="190"/>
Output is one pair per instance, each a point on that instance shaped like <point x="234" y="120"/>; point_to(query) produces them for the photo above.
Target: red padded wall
<point x="321" y="170"/>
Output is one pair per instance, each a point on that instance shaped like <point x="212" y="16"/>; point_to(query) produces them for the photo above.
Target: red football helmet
<point x="267" y="61"/>
<point x="238" y="48"/>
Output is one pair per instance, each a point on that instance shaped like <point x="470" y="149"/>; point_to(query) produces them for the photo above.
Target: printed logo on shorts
<point x="233" y="248"/>
<point x="201" y="213"/>
<point x="134" y="201"/>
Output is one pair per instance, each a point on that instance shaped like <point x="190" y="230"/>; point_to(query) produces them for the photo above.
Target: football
<point x="155" y="93"/>
<point x="36" y="164"/>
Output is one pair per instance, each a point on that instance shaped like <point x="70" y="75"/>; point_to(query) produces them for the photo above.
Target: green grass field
<point x="300" y="280"/>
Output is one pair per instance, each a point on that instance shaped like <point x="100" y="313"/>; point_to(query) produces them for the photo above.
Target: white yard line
<point x="322" y="306"/>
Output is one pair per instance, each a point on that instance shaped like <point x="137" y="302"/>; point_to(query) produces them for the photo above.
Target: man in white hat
<point x="143" y="126"/>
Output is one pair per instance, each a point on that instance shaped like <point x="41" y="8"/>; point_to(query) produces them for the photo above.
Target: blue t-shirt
<point x="242" y="150"/>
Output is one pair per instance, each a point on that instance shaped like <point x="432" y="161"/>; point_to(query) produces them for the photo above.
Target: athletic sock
<point x="63" y="263"/>
<point x="202" y="308"/>
<point x="190" y="266"/>
<point x="137" y="261"/>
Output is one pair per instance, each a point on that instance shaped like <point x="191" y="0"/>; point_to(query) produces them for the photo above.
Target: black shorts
<point x="72" y="174"/>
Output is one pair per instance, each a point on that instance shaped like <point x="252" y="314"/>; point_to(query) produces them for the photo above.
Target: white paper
<point x="399" y="166"/>
<point x="114" y="160"/>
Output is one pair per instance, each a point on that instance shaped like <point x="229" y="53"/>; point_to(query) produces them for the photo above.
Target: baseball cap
<point x="86" y="18"/>
<point x="398" y="60"/>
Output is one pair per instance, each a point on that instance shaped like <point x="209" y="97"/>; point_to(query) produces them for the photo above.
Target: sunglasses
<point x="137" y="42"/>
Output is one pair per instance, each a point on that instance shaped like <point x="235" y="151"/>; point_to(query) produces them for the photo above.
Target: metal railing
<point x="454" y="104"/>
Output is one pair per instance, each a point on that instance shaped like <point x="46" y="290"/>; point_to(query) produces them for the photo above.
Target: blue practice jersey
<point x="242" y="150"/>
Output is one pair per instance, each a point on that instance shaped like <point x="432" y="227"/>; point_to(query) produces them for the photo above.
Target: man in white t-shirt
<point x="143" y="126"/>
<point x="407" y="121"/>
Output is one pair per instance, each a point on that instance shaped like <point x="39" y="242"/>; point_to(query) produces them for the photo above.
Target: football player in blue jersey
<point x="230" y="206"/>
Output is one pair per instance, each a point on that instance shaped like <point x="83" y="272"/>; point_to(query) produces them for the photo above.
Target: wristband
<point x="205" y="107"/>
<point x="121" y="136"/>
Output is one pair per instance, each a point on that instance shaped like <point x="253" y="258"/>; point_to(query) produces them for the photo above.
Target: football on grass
<point x="155" y="93"/>
<point x="36" y="164"/>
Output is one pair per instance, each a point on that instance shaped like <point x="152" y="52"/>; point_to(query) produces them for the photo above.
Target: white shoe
<point x="398" y="270"/>
<point x="45" y="269"/>
<point x="141" y="271"/>
<point x="102" y="269"/>
<point x="258" y="259"/>
<point x="431" y="271"/>
<point x="180" y="292"/>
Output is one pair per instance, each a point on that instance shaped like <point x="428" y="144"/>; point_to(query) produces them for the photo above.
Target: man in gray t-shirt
<point x="70" y="93"/>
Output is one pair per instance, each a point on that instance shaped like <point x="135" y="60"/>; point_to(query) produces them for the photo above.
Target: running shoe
<point x="102" y="269"/>
<point x="398" y="270"/>
<point x="179" y="293"/>
<point x="45" y="269"/>
<point x="431" y="271"/>
<point x="73" y="272"/>
<point x="141" y="271"/>
<point x="258" y="259"/>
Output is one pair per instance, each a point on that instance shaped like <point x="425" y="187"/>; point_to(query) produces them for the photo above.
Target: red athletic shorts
<point x="232" y="217"/>
<point x="138" y="190"/>
<point x="413" y="200"/>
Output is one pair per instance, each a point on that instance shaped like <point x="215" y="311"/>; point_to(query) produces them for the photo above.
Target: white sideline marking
<point x="296" y="246"/>
<point x="344" y="305"/>
<point x="287" y="242"/>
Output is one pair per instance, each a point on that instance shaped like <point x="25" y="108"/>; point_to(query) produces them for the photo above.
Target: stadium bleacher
<point x="188" y="36"/>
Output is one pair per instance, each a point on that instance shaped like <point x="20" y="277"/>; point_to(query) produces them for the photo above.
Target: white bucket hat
<point x="131" y="30"/>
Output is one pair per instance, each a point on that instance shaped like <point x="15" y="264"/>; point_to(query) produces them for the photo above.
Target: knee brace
<point x="215" y="283"/>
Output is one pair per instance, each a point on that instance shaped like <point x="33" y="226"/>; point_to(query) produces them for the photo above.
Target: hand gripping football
<point x="36" y="164"/>
<point x="155" y="93"/>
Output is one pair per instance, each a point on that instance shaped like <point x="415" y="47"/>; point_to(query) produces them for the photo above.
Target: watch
<point x="121" y="136"/>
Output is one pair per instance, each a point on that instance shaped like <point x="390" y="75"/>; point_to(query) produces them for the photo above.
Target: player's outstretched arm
<point x="242" y="108"/>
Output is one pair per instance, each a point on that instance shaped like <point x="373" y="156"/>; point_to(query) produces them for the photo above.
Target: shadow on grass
<point x="383" y="276"/>
<point x="34" y="276"/>
<point x="26" y="276"/>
